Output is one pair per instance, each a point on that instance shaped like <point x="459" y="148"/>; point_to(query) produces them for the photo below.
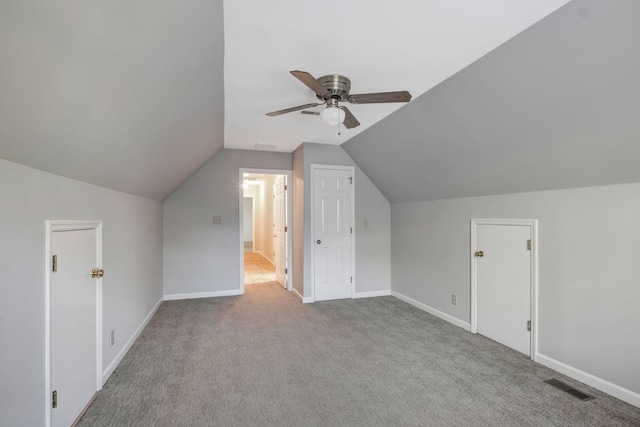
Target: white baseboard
<point x="371" y="294"/>
<point x="195" y="295"/>
<point x="306" y="300"/>
<point x="464" y="325"/>
<point x="614" y="390"/>
<point x="116" y="361"/>
<point x="266" y="257"/>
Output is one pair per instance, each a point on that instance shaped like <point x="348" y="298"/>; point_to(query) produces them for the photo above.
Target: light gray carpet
<point x="265" y="359"/>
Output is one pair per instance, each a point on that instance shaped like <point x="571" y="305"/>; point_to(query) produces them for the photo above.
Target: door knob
<point x="318" y="241"/>
<point x="479" y="254"/>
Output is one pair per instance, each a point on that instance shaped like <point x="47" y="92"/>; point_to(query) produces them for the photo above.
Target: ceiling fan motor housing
<point x="339" y="87"/>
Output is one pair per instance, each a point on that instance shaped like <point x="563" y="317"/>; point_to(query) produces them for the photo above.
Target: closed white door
<point x="279" y="225"/>
<point x="73" y="324"/>
<point x="332" y="239"/>
<point x="503" y="258"/>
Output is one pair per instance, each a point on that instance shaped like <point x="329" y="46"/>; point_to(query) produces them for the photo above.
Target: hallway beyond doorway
<point x="258" y="269"/>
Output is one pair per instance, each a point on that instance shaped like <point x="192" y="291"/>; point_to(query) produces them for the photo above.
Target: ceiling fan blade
<point x="350" y="120"/>
<point x="311" y="82"/>
<point x="292" y="109"/>
<point x="311" y="113"/>
<point x="375" y="98"/>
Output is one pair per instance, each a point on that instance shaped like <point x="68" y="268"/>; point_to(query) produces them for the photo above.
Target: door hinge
<point x="286" y="229"/>
<point x="351" y="279"/>
<point x="528" y="325"/>
<point x="350" y="180"/>
<point x="529" y="244"/>
<point x="351" y="230"/>
<point x="54" y="399"/>
<point x="285" y="187"/>
<point x="286" y="270"/>
<point x="97" y="272"/>
<point x="54" y="263"/>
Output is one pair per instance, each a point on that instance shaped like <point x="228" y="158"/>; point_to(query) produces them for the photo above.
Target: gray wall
<point x="373" y="258"/>
<point x="588" y="268"/>
<point x="132" y="260"/>
<point x="200" y="256"/>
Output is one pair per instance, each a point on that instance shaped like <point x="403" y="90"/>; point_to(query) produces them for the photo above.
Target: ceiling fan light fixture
<point x="331" y="116"/>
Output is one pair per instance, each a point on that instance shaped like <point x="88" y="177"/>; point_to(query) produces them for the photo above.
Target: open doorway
<point x="265" y="212"/>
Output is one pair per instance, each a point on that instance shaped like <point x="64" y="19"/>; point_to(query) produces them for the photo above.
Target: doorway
<point x="266" y="238"/>
<point x="503" y="282"/>
<point x="73" y="312"/>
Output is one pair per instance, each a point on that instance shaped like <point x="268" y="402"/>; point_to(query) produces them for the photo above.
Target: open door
<point x="280" y="229"/>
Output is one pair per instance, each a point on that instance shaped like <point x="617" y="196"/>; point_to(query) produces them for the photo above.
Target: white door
<point x="73" y="324"/>
<point x="332" y="238"/>
<point x="503" y="268"/>
<point x="279" y="225"/>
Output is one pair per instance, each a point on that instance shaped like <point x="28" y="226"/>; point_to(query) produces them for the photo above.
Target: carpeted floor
<point x="265" y="359"/>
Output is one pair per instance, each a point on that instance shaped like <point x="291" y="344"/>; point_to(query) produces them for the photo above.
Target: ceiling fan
<point x="333" y="89"/>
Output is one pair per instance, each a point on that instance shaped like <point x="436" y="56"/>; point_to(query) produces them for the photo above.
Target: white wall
<point x="132" y="258"/>
<point x="589" y="275"/>
<point x="247" y="216"/>
<point x="263" y="204"/>
<point x="200" y="257"/>
<point x="373" y="259"/>
<point x="266" y="217"/>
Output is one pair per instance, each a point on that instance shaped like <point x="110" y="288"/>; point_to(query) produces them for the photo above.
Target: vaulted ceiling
<point x="557" y="106"/>
<point x="137" y="96"/>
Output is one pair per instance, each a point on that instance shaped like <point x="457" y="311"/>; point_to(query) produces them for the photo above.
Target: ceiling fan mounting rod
<point x="332" y="102"/>
<point x="338" y="87"/>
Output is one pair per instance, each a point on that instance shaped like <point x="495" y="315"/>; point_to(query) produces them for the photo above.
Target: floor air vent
<point x="568" y="389"/>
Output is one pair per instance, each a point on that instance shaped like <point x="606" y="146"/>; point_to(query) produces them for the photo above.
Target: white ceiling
<point x="136" y="96"/>
<point x="381" y="46"/>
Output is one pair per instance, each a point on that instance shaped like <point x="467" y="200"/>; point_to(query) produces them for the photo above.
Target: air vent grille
<point x="568" y="389"/>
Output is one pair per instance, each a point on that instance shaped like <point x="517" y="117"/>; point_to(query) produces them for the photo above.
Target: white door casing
<point x="279" y="224"/>
<point x="287" y="206"/>
<point x="504" y="282"/>
<point x="73" y="318"/>
<point x="332" y="235"/>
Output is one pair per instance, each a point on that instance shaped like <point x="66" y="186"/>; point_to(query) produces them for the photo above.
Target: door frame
<point x="289" y="239"/>
<point x="352" y="170"/>
<point x="533" y="280"/>
<point x="52" y="226"/>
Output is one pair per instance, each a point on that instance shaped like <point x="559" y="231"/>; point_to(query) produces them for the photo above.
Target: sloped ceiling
<point x="136" y="96"/>
<point x="558" y="106"/>
<point x="127" y="95"/>
<point x="131" y="96"/>
<point x="381" y="46"/>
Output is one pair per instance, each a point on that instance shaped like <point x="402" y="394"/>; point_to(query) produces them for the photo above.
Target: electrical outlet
<point x="217" y="220"/>
<point x="454" y="299"/>
<point x="113" y="337"/>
